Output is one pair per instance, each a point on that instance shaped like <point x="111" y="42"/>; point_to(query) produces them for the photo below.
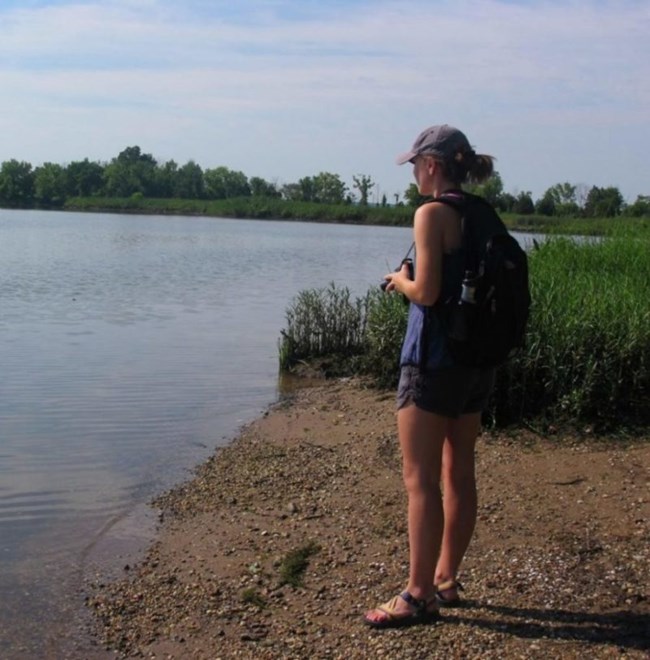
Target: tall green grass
<point x="258" y="208"/>
<point x="324" y="323"/>
<point x="588" y="352"/>
<point x="556" y="225"/>
<point x="281" y="209"/>
<point x="587" y="357"/>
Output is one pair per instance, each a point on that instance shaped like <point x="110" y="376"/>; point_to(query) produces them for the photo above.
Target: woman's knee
<point x="420" y="480"/>
<point x="459" y="481"/>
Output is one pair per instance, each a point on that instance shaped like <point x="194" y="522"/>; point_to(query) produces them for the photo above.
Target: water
<point x="131" y="347"/>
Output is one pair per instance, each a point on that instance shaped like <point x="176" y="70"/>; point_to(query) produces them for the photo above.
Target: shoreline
<point x="557" y="568"/>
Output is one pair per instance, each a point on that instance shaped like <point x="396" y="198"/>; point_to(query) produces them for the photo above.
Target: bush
<point x="588" y="348"/>
<point x="324" y="323"/>
<point x="385" y="328"/>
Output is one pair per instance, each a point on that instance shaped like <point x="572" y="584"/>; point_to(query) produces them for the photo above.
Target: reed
<point x="588" y="346"/>
<point x="262" y="208"/>
<point x="324" y="323"/>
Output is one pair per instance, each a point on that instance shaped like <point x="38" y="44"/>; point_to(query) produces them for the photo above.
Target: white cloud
<point x="282" y="95"/>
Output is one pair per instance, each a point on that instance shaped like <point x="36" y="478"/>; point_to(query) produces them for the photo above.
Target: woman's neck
<point x="442" y="186"/>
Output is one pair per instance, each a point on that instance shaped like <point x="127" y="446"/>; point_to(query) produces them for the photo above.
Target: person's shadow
<point x="624" y="629"/>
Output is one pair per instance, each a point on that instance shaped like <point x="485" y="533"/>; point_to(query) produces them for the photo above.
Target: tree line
<point x="134" y="173"/>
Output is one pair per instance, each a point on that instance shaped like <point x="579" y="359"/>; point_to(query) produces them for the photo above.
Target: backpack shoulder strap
<point x="461" y="201"/>
<point x="455" y="198"/>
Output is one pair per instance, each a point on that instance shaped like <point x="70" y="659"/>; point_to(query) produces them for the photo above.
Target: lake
<point x="132" y="347"/>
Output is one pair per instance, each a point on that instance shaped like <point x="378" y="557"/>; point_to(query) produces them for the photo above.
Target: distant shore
<point x="282" y="540"/>
<point x="269" y="208"/>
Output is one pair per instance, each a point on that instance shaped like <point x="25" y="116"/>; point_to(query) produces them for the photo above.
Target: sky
<point x="557" y="90"/>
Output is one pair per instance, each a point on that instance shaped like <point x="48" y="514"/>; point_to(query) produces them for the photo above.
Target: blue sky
<point x="557" y="91"/>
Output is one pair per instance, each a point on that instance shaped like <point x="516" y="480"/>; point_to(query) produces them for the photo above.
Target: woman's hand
<point x="397" y="279"/>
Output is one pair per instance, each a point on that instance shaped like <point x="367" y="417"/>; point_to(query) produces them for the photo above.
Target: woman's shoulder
<point x="437" y="210"/>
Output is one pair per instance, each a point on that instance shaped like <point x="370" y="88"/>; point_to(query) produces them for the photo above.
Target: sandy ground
<point x="558" y="568"/>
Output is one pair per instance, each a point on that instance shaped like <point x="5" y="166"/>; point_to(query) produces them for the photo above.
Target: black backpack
<point x="486" y="331"/>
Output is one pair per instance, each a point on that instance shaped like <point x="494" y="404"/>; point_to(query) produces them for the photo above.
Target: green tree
<point x="491" y="190"/>
<point x="412" y="196"/>
<point x="562" y="193"/>
<point x="640" y="207"/>
<point x="292" y="192"/>
<point x="603" y="202"/>
<point x="49" y="184"/>
<point x="16" y="183"/>
<point x="307" y="187"/>
<point x="507" y="201"/>
<point x="165" y="179"/>
<point x="329" y="189"/>
<point x="222" y="183"/>
<point x="364" y="184"/>
<point x="83" y="178"/>
<point x="524" y="203"/>
<point x="131" y="172"/>
<point x="563" y="197"/>
<point x="545" y="205"/>
<point x="261" y="188"/>
<point x="189" y="182"/>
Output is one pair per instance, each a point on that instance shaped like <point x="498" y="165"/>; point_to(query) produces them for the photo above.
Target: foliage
<point x="603" y="202"/>
<point x="16" y="184"/>
<point x="413" y="197"/>
<point x="222" y="183"/>
<point x="364" y="184"/>
<point x="385" y="328"/>
<point x="323" y="322"/>
<point x="295" y="563"/>
<point x="261" y="188"/>
<point x="132" y="171"/>
<point x="588" y="353"/>
<point x="577" y="226"/>
<point x="189" y="182"/>
<point x="250" y="207"/>
<point x="49" y="185"/>
<point x="83" y="179"/>
<point x="640" y="208"/>
<point x="492" y="189"/>
<point x="524" y="204"/>
<point x="251" y="596"/>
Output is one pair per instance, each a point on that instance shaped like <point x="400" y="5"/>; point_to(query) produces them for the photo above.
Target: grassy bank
<point x="263" y="208"/>
<point x="587" y="358"/>
<point x="254" y="208"/>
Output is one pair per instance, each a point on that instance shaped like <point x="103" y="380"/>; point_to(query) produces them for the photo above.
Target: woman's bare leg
<point x="460" y="500"/>
<point x="421" y="436"/>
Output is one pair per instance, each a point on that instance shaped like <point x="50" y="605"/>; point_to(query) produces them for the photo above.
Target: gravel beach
<point x="281" y="541"/>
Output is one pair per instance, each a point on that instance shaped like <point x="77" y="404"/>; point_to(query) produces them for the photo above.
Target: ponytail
<point x="480" y="169"/>
<point x="468" y="167"/>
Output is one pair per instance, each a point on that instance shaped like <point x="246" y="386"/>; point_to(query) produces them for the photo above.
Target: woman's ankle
<point x="446" y="583"/>
<point x="421" y="592"/>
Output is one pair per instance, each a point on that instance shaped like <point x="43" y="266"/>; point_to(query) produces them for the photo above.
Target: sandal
<point x="420" y="611"/>
<point x="447" y="601"/>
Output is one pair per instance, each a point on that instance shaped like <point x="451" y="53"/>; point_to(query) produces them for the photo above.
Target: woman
<point x="439" y="403"/>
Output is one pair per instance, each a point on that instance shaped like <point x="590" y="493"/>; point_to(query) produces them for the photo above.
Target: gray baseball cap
<point x="443" y="141"/>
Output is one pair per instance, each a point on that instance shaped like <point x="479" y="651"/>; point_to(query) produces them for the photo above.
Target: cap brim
<point x="405" y="158"/>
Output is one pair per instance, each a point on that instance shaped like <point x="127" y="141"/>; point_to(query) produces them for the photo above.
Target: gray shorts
<point x="447" y="391"/>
